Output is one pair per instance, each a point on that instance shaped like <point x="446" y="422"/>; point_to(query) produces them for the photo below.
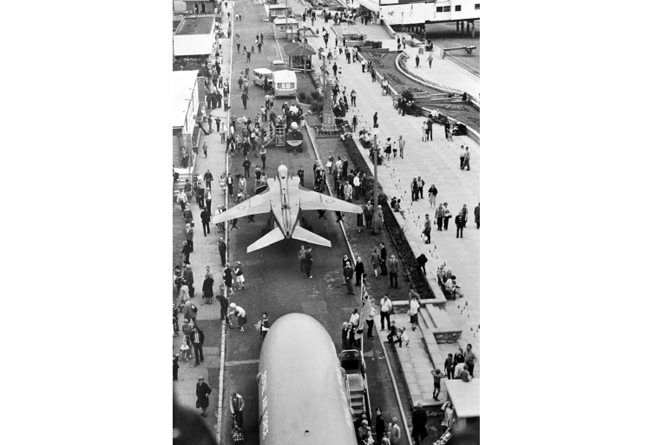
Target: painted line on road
<point x="243" y="362"/>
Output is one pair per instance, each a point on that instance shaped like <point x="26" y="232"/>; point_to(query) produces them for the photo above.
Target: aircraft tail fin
<point x="272" y="237"/>
<point x="309" y="237"/>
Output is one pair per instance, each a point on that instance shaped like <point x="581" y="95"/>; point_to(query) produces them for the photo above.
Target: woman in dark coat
<point x="202" y="391"/>
<point x="208" y="289"/>
<point x="359" y="271"/>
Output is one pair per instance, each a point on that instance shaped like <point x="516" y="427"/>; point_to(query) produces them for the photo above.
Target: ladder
<point x="356" y="393"/>
<point x="269" y="134"/>
<point x="280" y="134"/>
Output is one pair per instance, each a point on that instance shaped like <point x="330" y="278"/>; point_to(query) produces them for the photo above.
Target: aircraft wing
<point x="310" y="200"/>
<point x="252" y="206"/>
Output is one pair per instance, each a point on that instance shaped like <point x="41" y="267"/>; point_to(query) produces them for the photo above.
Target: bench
<point x="469" y="50"/>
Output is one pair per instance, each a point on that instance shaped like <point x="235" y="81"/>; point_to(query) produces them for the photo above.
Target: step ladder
<point x="280" y="134"/>
<point x="356" y="393"/>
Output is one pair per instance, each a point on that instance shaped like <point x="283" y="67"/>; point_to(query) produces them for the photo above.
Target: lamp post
<point x="375" y="149"/>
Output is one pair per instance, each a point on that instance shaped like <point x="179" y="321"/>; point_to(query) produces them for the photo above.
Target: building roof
<point x="299" y="49"/>
<point x="196" y="25"/>
<point x="182" y="90"/>
<point x="281" y="20"/>
<point x="466" y="397"/>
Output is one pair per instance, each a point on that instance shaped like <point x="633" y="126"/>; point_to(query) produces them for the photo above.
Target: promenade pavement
<point x="437" y="162"/>
<point x="206" y="254"/>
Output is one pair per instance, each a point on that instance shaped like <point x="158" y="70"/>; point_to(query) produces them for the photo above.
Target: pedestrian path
<point x="206" y="254"/>
<point x="437" y="162"/>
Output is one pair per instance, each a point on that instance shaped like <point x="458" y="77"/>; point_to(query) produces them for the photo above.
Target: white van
<point x="260" y="74"/>
<point x="285" y="83"/>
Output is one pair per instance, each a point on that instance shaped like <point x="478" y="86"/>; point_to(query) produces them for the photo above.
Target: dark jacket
<point x="208" y="288"/>
<point x="205" y="216"/>
<point x="192" y="335"/>
<point x="359" y="268"/>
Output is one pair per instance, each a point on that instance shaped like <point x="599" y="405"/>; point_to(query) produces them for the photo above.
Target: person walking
<point x="301" y="255"/>
<point x="239" y="274"/>
<point x="417" y="61"/>
<point x="228" y="278"/>
<point x="448" y="366"/>
<point x="393" y="269"/>
<point x="380" y="425"/>
<point x="375" y="118"/>
<point x="237" y="409"/>
<point x="419" y="420"/>
<point x="208" y="178"/>
<point x="197" y="340"/>
<point x="189" y="236"/>
<point x="205" y="216"/>
<point x="202" y="391"/>
<point x="386" y="310"/>
<point x="428" y="229"/>
<point x="376" y="258"/>
<point x="465" y="213"/>
<point x="429" y="60"/>
<point x="466" y="161"/>
<point x="175" y="368"/>
<point x="401" y="142"/>
<point x="359" y="271"/>
<point x="421" y="184"/>
<point x="384" y="252"/>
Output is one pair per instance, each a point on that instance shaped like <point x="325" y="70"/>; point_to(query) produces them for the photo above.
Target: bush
<point x="316" y="107"/>
<point x="316" y="96"/>
<point x="407" y="94"/>
<point x="301" y="97"/>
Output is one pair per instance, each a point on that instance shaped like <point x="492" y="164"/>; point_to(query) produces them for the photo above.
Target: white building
<point x="194" y="37"/>
<point x="186" y="104"/>
<point x="415" y="12"/>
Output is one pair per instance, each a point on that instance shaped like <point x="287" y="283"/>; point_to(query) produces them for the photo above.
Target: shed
<point x="194" y="37"/>
<point x="286" y="27"/>
<point x="299" y="56"/>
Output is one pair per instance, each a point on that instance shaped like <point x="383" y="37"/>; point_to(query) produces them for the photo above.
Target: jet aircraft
<point x="285" y="198"/>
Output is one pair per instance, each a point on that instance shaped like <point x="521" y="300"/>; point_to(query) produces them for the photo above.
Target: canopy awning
<point x="299" y="49"/>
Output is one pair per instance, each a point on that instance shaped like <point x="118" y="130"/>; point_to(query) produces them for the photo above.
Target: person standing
<point x="208" y="287"/>
<point x="189" y="237"/>
<point x="470" y="359"/>
<point x="370" y="324"/>
<point x="429" y="62"/>
<point x="428" y="135"/>
<point x="417" y="61"/>
<point x="466" y="161"/>
<point x="186" y="251"/>
<point x="439" y="215"/>
<point x="202" y="391"/>
<point x="301" y="255"/>
<point x="380" y="425"/>
<point x="175" y="368"/>
<point x="237" y="409"/>
<point x="228" y="278"/>
<point x="428" y="229"/>
<point x="386" y="310"/>
<point x="421" y="185"/>
<point x="393" y="269"/>
<point x="384" y="252"/>
<point x="308" y="262"/>
<point x="462" y="157"/>
<point x="208" y="178"/>
<point x="205" y="217"/>
<point x="348" y="277"/>
<point x="460" y="225"/>
<point x="197" y="340"/>
<point x="448" y="366"/>
<point x="477" y="215"/>
<point x="414" y="307"/>
<point x="207" y="200"/>
<point x="223" y="300"/>
<point x="432" y="195"/>
<point x="419" y="420"/>
<point x="359" y="271"/>
<point x="263" y="156"/>
<point x="437" y="375"/>
<point x="401" y="142"/>
<point x="376" y="119"/>
<point x="447" y="216"/>
<point x="354" y="319"/>
<point x="465" y="213"/>
<point x="189" y="279"/>
<point x="247" y="166"/>
<point x="396" y="432"/>
<point x="239" y="273"/>
<point x="221" y="250"/>
<point x="345" y="328"/>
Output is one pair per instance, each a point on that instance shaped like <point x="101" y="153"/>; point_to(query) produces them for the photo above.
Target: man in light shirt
<point x="386" y="308"/>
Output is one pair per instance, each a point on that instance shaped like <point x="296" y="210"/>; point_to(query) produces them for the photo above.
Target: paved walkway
<point x="437" y="162"/>
<point x="206" y="254"/>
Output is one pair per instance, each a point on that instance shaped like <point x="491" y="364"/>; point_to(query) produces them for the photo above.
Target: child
<point x="185" y="350"/>
<point x="437" y="375"/>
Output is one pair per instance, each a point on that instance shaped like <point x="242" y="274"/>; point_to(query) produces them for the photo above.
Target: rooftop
<point x="182" y="91"/>
<point x="196" y="25"/>
<point x="299" y="49"/>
